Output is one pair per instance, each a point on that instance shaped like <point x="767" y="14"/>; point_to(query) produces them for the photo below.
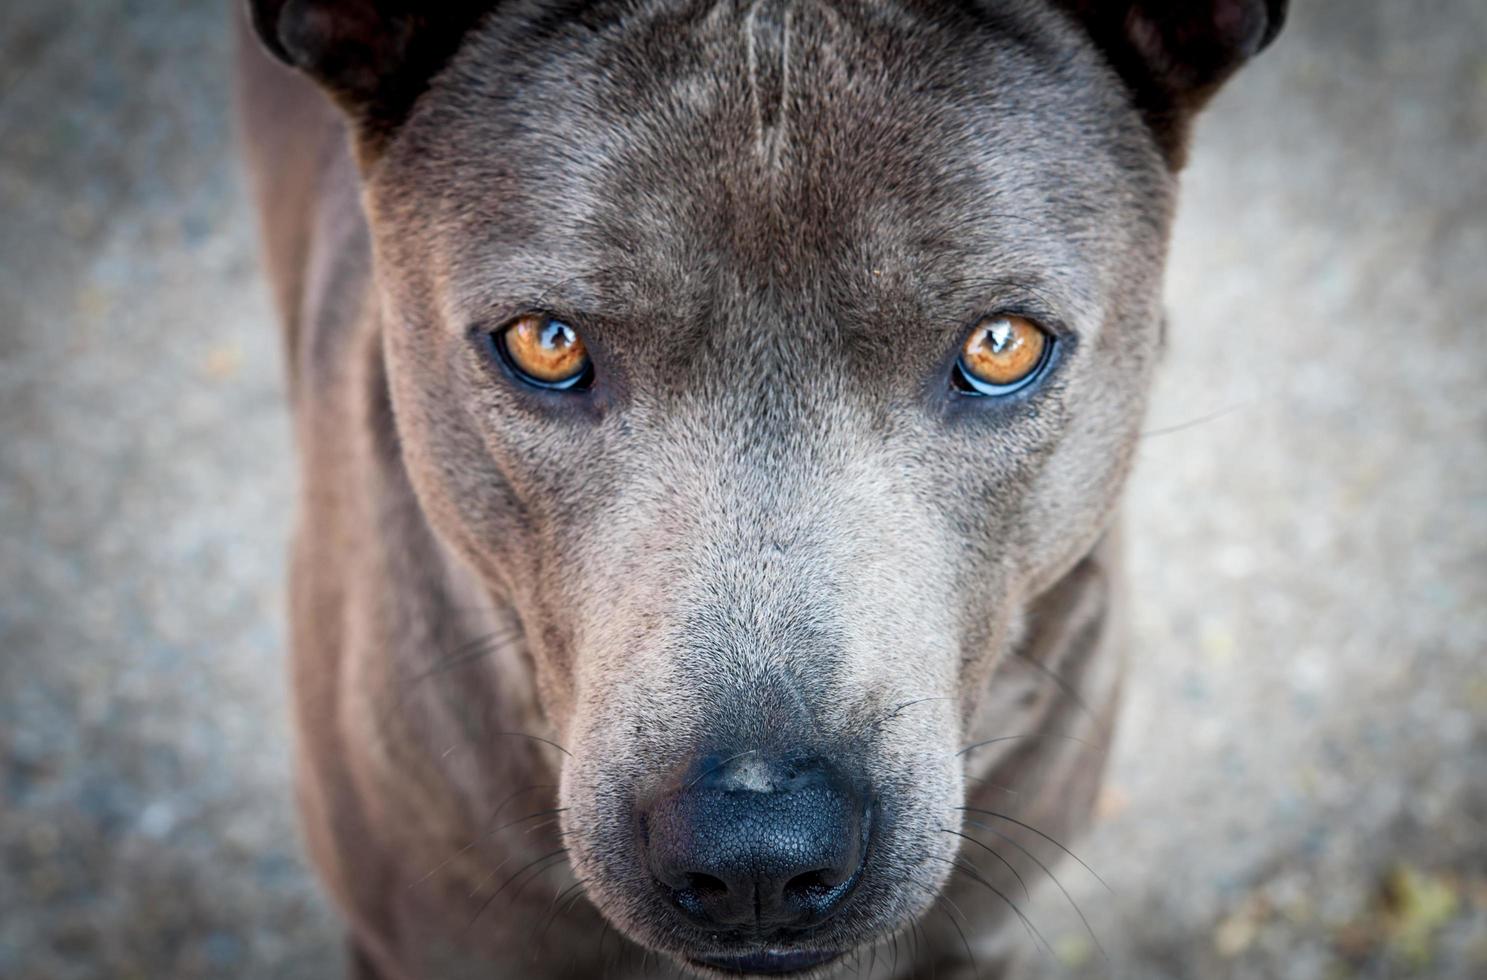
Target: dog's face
<point x="768" y="361"/>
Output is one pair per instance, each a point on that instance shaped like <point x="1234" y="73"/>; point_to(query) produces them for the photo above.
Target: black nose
<point x="742" y="842"/>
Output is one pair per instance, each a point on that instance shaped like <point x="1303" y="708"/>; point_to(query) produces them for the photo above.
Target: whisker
<point x="603" y="936"/>
<point x="540" y="813"/>
<point x="486" y="904"/>
<point x="1025" y="893"/>
<point x="443" y="864"/>
<point x="937" y="896"/>
<point x="975" y="968"/>
<point x="1069" y="690"/>
<point x="536" y="738"/>
<point x="523" y="886"/>
<point x="468" y="652"/>
<point x="1009" y="738"/>
<point x="1051" y="876"/>
<point x="987" y="782"/>
<point x="484" y="835"/>
<point x="602" y="911"/>
<point x="556" y="908"/>
<point x="1193" y="423"/>
<point x="525" y="789"/>
<point x="552" y="815"/>
<point x="895" y="712"/>
<point x="1027" y="923"/>
<point x="1014" y="820"/>
<point x="709" y="772"/>
<point x="922" y="941"/>
<point x="487" y="879"/>
<point x="543" y="825"/>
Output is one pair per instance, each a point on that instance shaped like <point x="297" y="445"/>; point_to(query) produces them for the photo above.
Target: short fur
<point x="772" y="524"/>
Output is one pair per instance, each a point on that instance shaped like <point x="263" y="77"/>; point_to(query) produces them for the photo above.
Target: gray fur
<point x="772" y="524"/>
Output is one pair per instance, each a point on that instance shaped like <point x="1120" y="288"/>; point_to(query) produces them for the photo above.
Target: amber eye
<point x="545" y="352"/>
<point x="1001" y="355"/>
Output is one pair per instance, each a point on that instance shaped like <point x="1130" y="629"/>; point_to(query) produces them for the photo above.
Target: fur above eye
<point x="544" y="352"/>
<point x="1002" y="354"/>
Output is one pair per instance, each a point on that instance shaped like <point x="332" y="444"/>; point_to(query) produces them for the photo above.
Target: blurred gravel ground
<point x="1300" y="782"/>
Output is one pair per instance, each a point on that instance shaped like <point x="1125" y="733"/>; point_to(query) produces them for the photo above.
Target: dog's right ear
<point x="1174" y="54"/>
<point x="373" y="57"/>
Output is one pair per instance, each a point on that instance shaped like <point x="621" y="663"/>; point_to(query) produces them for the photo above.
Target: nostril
<point x="706" y="885"/>
<point x="811" y="884"/>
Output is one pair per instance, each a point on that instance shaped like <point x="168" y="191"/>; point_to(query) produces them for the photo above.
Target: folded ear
<point x="374" y="57"/>
<point x="1174" y="54"/>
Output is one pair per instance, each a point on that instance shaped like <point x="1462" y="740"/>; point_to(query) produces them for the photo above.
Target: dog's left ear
<point x="373" y="57"/>
<point x="1174" y="54"/>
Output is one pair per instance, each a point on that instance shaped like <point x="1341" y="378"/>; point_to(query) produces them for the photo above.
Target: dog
<point x="711" y="418"/>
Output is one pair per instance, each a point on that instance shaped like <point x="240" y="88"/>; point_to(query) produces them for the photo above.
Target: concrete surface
<point x="1300" y="782"/>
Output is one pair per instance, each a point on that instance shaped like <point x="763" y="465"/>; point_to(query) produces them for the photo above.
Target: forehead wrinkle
<point x="767" y="43"/>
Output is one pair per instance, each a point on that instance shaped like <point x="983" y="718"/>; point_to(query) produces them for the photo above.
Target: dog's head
<point x="768" y="359"/>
